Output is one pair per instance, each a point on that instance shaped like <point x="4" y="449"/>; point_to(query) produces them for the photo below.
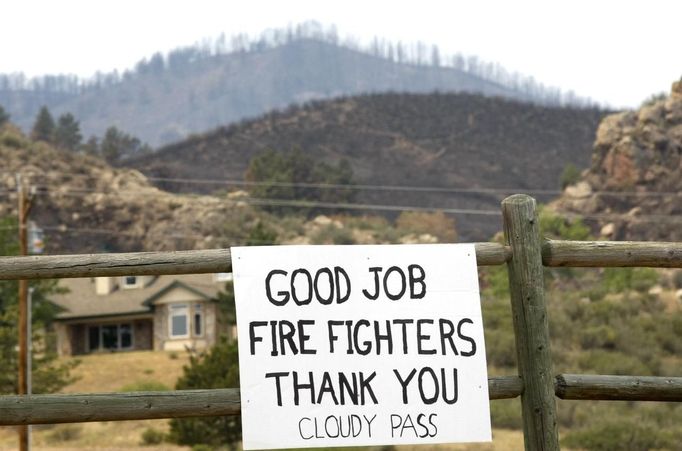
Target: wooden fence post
<point x="522" y="231"/>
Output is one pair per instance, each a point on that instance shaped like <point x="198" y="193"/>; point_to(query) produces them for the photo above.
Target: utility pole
<point x="24" y="207"/>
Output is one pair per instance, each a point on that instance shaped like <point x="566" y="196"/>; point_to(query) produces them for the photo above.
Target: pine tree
<point x="219" y="368"/>
<point x="43" y="127"/>
<point x="4" y="116"/>
<point x="49" y="374"/>
<point x="91" y="146"/>
<point x="67" y="135"/>
<point x="118" y="145"/>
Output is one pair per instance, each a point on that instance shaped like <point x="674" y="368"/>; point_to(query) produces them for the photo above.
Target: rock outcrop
<point x="85" y="205"/>
<point x="633" y="189"/>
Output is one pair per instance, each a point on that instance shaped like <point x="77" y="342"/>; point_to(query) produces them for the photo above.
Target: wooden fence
<point x="525" y="255"/>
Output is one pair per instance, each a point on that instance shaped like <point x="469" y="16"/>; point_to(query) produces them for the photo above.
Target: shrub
<point x="437" y="224"/>
<point x="219" y="368"/>
<point x="331" y="234"/>
<point x="12" y="140"/>
<point x="570" y="175"/>
<point x="294" y="175"/>
<point x="152" y="436"/>
<point x="620" y="434"/>
<point x="617" y="363"/>
<point x="625" y="280"/>
<point x="65" y="433"/>
<point x="506" y="414"/>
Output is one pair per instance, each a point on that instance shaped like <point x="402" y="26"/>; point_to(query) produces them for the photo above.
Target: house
<point x="138" y="312"/>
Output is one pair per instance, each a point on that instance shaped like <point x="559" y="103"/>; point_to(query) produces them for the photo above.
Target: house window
<point x="112" y="337"/>
<point x="93" y="338"/>
<point x="130" y="282"/>
<point x="125" y="336"/>
<point x="179" y="327"/>
<point x="198" y="320"/>
<point x="109" y="335"/>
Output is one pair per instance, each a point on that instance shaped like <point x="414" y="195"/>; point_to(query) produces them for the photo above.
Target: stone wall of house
<point x="143" y="334"/>
<point x="209" y="337"/>
<point x="63" y="339"/>
<point x="160" y="326"/>
<point x="78" y="336"/>
<point x="210" y="323"/>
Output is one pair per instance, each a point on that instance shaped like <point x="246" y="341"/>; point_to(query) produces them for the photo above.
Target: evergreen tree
<point x="292" y="176"/>
<point x="111" y="145"/>
<point x="43" y="127"/>
<point x="4" y="116"/>
<point x="91" y="146"/>
<point x="118" y="145"/>
<point x="67" y="135"/>
<point x="219" y="368"/>
<point x="48" y="374"/>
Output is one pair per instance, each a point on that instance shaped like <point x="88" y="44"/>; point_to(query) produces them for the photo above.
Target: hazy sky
<point x="618" y="52"/>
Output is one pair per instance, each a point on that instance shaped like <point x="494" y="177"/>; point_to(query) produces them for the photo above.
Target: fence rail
<point x="554" y="253"/>
<point x="159" y="263"/>
<point x="618" y="388"/>
<point x="611" y="254"/>
<point x="79" y="408"/>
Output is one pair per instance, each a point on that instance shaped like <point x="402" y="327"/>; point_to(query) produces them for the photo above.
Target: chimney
<point x="104" y="285"/>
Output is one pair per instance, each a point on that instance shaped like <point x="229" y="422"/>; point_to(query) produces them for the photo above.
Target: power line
<point x="377" y="207"/>
<point x="99" y="231"/>
<point x="382" y="187"/>
<point x="335" y="186"/>
<point x="292" y="203"/>
<point x="367" y="207"/>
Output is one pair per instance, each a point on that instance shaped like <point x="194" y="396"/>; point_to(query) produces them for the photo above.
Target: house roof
<point x="81" y="300"/>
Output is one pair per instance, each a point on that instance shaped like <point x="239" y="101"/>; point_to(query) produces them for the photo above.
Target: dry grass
<point x="110" y="436"/>
<point x="111" y="372"/>
<point x="503" y="440"/>
<point x="108" y="373"/>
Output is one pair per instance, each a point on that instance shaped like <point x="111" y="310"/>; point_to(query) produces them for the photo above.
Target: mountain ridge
<point x="191" y="91"/>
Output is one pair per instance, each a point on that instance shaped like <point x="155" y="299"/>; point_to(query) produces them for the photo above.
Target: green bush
<point x="12" y="140"/>
<point x="499" y="333"/>
<point x="619" y="280"/>
<point x="331" y="234"/>
<point x="617" y="363"/>
<point x="506" y="414"/>
<point x="152" y="436"/>
<point x="219" y="368"/>
<point x="65" y="433"/>
<point x="619" y="434"/>
<point x="570" y="175"/>
<point x="295" y="176"/>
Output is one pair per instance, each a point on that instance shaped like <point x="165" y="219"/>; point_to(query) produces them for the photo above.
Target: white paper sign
<point x="360" y="345"/>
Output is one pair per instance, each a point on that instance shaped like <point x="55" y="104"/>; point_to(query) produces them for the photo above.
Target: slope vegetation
<point x="463" y="141"/>
<point x="84" y="205"/>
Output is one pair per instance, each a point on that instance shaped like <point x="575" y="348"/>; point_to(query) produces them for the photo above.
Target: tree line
<point x="180" y="60"/>
<point x="65" y="134"/>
